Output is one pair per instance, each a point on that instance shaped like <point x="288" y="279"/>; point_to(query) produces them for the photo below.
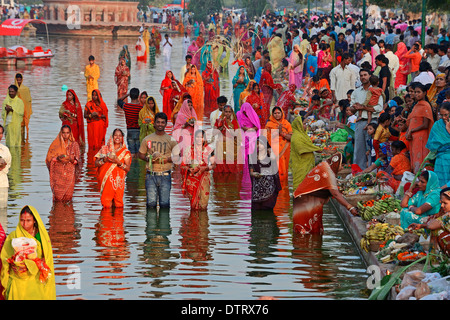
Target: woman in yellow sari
<point x="113" y="162"/>
<point x="28" y="274"/>
<point x="302" y="152"/>
<point x="193" y="83"/>
<point x="147" y="117"/>
<point x="279" y="133"/>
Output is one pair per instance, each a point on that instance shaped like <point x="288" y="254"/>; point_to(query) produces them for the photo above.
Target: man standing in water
<point x="12" y="114"/>
<point x="167" y="51"/>
<point x="24" y="94"/>
<point x="92" y="74"/>
<point x="159" y="150"/>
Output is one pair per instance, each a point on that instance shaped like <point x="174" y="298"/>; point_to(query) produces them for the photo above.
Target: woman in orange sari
<point x="113" y="163"/>
<point x="228" y="126"/>
<point x="244" y="94"/>
<point x="279" y="133"/>
<point x="96" y="115"/>
<point x="63" y="163"/>
<point x="419" y="121"/>
<point x="121" y="76"/>
<point x="197" y="163"/>
<point x="193" y="83"/>
<point x="313" y="192"/>
<point x="71" y="114"/>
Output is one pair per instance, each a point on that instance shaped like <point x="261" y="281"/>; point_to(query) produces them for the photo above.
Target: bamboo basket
<point x="355" y="198"/>
<point x="339" y="145"/>
<point x="375" y="245"/>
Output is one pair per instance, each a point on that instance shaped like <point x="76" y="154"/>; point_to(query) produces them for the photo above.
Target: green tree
<point x="254" y="8"/>
<point x="203" y="8"/>
<point x="414" y="6"/>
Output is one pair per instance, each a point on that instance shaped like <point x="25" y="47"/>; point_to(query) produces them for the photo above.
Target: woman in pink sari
<point x="402" y="74"/>
<point x="296" y="67"/>
<point x="185" y="125"/>
<point x="250" y="130"/>
<point x="194" y="51"/>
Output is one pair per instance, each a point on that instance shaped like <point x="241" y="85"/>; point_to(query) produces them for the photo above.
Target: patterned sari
<point x="267" y="87"/>
<point x="121" y="78"/>
<point x="196" y="186"/>
<point x="257" y="102"/>
<point x="110" y="177"/>
<point x="63" y="175"/>
<point x="147" y="118"/>
<point x="71" y="114"/>
<point x="312" y="194"/>
<point x="228" y="160"/>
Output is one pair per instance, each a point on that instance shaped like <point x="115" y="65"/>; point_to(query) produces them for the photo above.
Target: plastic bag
<point x="407" y="177"/>
<point x="412" y="278"/>
<point x="422" y="290"/>
<point x="439" y="285"/>
<point x="437" y="296"/>
<point x="406" y="293"/>
<point x="24" y="248"/>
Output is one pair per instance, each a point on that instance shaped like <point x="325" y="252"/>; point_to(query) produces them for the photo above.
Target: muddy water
<point x="224" y="253"/>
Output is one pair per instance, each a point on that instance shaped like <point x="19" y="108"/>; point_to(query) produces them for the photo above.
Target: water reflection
<point x="223" y="252"/>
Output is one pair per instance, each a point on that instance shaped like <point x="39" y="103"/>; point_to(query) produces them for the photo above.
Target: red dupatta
<point x="100" y="108"/>
<point x="74" y="117"/>
<point x="166" y="83"/>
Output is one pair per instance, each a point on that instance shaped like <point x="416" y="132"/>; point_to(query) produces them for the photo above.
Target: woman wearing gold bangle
<point x="113" y="162"/>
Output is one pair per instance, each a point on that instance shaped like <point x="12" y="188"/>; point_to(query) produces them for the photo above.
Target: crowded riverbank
<point x="241" y="216"/>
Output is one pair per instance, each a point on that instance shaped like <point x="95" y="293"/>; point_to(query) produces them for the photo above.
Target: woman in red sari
<point x="313" y="192"/>
<point x="267" y="86"/>
<point x="228" y="160"/>
<point x="211" y="84"/>
<point x="197" y="163"/>
<point x="166" y="90"/>
<point x="113" y="163"/>
<point x="71" y="114"/>
<point x="175" y="96"/>
<point x="63" y="163"/>
<point x="287" y="100"/>
<point x="121" y="76"/>
<point x="256" y="100"/>
<point x="96" y="115"/>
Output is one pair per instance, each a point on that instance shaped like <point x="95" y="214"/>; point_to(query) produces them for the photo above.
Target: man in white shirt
<point x="366" y="57"/>
<point x="185" y="67"/>
<point x="342" y="78"/>
<point x="357" y="99"/>
<point x="432" y="56"/>
<point x="186" y="43"/>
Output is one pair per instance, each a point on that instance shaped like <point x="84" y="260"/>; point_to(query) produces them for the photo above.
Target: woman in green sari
<point x="147" y="117"/>
<point x="425" y="203"/>
<point x="302" y="152"/>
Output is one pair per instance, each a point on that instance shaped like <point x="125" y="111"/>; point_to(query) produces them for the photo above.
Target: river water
<point x="224" y="253"/>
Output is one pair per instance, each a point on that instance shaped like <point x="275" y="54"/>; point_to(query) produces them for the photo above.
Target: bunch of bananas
<point x="380" y="232"/>
<point x="379" y="207"/>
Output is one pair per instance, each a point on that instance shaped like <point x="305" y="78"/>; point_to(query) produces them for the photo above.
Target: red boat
<point x="12" y="55"/>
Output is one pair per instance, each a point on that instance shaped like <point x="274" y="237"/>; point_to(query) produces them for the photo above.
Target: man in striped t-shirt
<point x="132" y="110"/>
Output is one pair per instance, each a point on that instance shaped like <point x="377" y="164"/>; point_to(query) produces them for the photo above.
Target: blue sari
<point x="430" y="196"/>
<point x="205" y="56"/>
<point x="439" y="141"/>
<point x="258" y="75"/>
<point x="239" y="88"/>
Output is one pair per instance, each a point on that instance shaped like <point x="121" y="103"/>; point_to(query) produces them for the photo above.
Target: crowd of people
<point x="387" y="86"/>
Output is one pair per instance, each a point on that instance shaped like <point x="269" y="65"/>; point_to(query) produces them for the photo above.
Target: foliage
<point x="414" y="6"/>
<point x="254" y="8"/>
<point x="203" y="8"/>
